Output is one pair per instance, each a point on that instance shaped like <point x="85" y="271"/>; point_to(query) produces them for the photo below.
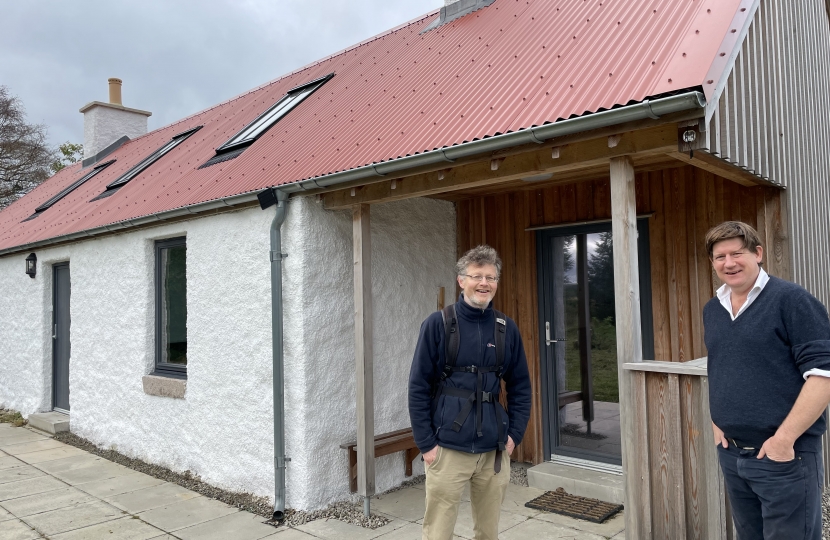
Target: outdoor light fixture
<point x="31" y="265"/>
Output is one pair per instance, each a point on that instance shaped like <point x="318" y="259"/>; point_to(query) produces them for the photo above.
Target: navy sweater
<point x="431" y="422"/>
<point x="757" y="362"/>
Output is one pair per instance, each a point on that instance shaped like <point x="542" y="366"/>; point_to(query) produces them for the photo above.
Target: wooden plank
<point x="672" y="222"/>
<point x="708" y="162"/>
<point x="693" y="367"/>
<point x="681" y="256"/>
<point x="581" y="155"/>
<point x="364" y="362"/>
<point x="674" y="449"/>
<point x="659" y="281"/>
<point x="642" y="481"/>
<point x="628" y="329"/>
<point x="693" y="496"/>
<point x="712" y="479"/>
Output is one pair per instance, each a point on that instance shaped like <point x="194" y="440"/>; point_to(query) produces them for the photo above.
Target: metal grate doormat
<point x="561" y="502"/>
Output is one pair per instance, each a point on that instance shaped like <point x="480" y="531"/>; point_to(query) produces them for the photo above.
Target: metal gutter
<point x="629" y="113"/>
<point x="653" y="109"/>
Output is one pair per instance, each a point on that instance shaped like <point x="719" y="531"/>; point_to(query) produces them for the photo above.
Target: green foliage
<point x="69" y="153"/>
<point x="601" y="278"/>
<point x="12" y="417"/>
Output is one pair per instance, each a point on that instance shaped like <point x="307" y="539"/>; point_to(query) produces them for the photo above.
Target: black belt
<point x="740" y="445"/>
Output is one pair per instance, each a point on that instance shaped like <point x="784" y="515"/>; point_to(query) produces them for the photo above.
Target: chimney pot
<point x="115" y="90"/>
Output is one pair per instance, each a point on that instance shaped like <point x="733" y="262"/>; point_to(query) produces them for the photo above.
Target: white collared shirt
<point x="725" y="296"/>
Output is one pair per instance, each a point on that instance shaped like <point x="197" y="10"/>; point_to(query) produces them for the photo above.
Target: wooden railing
<point x="680" y="493"/>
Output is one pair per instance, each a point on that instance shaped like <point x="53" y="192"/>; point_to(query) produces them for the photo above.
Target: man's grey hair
<point x="478" y="256"/>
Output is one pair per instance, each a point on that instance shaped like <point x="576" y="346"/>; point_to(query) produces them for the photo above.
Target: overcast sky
<point x="176" y="57"/>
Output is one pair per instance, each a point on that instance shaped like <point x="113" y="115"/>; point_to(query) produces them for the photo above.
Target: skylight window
<point x="146" y="162"/>
<point x="69" y="189"/>
<point x="263" y="123"/>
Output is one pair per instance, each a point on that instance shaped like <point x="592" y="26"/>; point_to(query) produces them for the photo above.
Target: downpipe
<point x="279" y="198"/>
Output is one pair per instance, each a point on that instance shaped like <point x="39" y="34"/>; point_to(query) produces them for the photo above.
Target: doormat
<point x="561" y="502"/>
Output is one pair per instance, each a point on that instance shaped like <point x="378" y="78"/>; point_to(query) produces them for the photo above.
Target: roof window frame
<point x="265" y="121"/>
<point x="145" y="163"/>
<point x="69" y="189"/>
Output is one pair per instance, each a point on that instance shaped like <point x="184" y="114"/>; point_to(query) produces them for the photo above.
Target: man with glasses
<point x="769" y="385"/>
<point x="463" y="432"/>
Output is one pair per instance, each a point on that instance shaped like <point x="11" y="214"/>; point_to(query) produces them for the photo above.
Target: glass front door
<point x="580" y="343"/>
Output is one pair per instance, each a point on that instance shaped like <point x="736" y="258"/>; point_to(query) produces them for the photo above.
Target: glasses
<point x="489" y="279"/>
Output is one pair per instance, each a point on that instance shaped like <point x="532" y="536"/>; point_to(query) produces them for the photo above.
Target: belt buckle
<point x="739" y="447"/>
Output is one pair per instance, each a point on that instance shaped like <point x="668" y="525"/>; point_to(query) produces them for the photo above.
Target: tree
<point x="24" y="155"/>
<point x="601" y="278"/>
<point x="69" y="153"/>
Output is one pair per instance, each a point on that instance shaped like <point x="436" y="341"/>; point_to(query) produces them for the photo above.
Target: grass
<point x="603" y="360"/>
<point x="12" y="417"/>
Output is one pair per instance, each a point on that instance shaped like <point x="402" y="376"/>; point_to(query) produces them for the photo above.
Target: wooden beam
<point x="572" y="157"/>
<point x="706" y="161"/>
<point x="364" y="362"/>
<point x="629" y="339"/>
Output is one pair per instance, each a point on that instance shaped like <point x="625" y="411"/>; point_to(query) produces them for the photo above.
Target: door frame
<point x="544" y="288"/>
<point x="53" y="333"/>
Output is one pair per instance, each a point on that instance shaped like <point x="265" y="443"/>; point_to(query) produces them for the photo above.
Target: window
<point x="66" y="191"/>
<point x="250" y="133"/>
<point x="171" y="307"/>
<point x="112" y="187"/>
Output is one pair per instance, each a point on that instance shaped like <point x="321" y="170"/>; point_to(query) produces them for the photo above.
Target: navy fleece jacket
<point x="757" y="362"/>
<point x="477" y="347"/>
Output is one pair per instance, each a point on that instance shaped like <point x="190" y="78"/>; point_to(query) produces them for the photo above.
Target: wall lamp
<point x="31" y="265"/>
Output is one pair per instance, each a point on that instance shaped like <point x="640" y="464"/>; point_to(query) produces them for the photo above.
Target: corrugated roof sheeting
<point x="773" y="117"/>
<point x="507" y="67"/>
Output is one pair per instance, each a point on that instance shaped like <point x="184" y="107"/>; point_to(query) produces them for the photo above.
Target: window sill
<point x="162" y="386"/>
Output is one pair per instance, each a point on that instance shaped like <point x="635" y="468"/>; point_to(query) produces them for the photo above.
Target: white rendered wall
<point x="103" y="125"/>
<point x="413" y="253"/>
<point x="222" y="429"/>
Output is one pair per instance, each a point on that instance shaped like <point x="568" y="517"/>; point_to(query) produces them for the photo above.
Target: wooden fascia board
<point x="502" y="168"/>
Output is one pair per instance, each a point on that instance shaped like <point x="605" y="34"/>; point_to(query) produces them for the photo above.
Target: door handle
<point x="55" y="331"/>
<point x="548" y="340"/>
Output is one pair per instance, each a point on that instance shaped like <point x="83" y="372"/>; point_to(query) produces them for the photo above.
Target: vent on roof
<point x="69" y="189"/>
<point x="253" y="131"/>
<point x="456" y="9"/>
<point x="112" y="187"/>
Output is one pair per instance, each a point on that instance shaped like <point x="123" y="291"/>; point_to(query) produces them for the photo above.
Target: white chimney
<point x="455" y="9"/>
<point x="105" y="123"/>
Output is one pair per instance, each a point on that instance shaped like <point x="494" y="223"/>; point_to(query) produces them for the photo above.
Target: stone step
<point x="50" y="422"/>
<point x="604" y="486"/>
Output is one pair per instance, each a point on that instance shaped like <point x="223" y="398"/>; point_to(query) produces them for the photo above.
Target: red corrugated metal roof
<point x="512" y="65"/>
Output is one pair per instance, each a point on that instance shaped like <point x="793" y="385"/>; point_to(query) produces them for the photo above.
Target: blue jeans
<point x="773" y="500"/>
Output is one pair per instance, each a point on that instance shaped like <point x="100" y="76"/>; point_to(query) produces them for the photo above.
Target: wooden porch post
<point x="629" y="347"/>
<point x="364" y="362"/>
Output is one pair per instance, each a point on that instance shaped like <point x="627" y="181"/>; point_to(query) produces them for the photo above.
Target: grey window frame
<point x="163" y="368"/>
<point x="69" y="189"/>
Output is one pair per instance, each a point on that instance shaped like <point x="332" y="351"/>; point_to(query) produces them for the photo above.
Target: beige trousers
<point x="446" y="478"/>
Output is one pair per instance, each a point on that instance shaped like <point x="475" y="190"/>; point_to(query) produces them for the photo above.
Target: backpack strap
<point x="500" y="333"/>
<point x="452" y="339"/>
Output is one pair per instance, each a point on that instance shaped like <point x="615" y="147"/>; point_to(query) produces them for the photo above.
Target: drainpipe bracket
<point x="277" y="256"/>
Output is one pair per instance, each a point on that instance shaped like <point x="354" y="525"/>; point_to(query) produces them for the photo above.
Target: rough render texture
<point x="222" y="429"/>
<point x="104" y="125"/>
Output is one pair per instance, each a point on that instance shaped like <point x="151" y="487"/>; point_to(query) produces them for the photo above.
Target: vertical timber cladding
<point x="685" y="203"/>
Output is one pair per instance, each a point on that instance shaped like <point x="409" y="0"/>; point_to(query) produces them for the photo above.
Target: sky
<point x="176" y="57"/>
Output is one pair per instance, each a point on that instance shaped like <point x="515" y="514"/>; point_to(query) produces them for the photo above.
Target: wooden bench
<point x="385" y="444"/>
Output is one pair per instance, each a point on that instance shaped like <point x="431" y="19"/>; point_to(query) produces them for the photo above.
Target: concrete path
<point x="52" y="490"/>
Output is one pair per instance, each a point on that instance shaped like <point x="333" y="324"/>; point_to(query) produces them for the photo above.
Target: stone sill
<point x="156" y="385"/>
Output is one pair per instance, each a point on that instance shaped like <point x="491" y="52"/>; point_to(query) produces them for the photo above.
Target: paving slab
<point x="145" y="499"/>
<point x="73" y="517"/>
<point x="10" y="435"/>
<point x="607" y="529"/>
<point x="5" y="514"/>
<point x="32" y="486"/>
<point x="187" y="513"/>
<point x="464" y="524"/>
<point x="46" y="502"/>
<point x="103" y="470"/>
<point x="127" y="528"/>
<point x="50" y="455"/>
<point x="239" y="526"/>
<point x="516" y="497"/>
<point x="78" y="461"/>
<point x="19" y="473"/>
<point x="291" y="534"/>
<point x="334" y="529"/>
<point x="17" y="530"/>
<point x="26" y="446"/>
<point x="111" y="487"/>
<point x="410" y="531"/>
<point x="8" y="462"/>
<point x="541" y="530"/>
<point x="406" y="504"/>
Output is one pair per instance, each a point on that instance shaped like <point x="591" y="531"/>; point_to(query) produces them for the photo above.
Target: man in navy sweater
<point x="769" y="385"/>
<point x="463" y="432"/>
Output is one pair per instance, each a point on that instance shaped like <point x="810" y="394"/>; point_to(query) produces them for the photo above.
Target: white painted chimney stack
<point x="105" y="123"/>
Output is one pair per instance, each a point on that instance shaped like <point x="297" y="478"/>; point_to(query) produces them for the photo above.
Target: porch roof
<point x="504" y="68"/>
